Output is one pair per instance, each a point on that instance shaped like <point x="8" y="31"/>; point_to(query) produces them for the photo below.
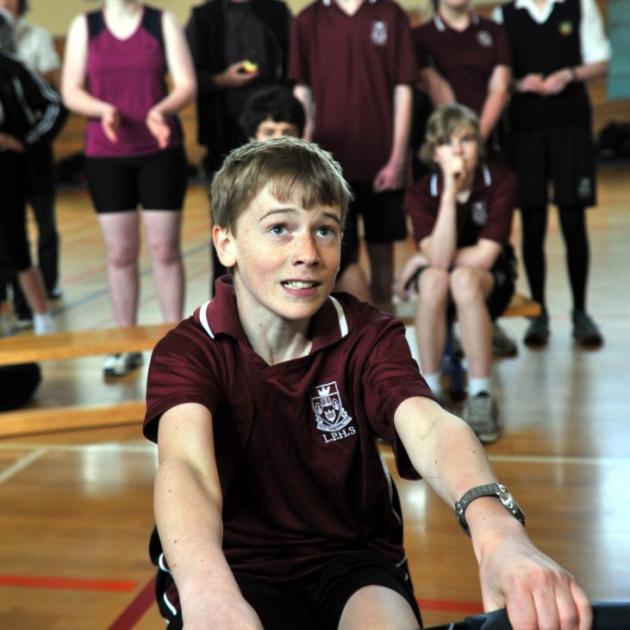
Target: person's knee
<point x="433" y="287"/>
<point x="165" y="252"/>
<point x="466" y="286"/>
<point x="376" y="607"/>
<point x="122" y="255"/>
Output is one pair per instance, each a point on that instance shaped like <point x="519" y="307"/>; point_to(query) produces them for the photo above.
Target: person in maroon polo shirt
<point x="273" y="507"/>
<point x="353" y="63"/>
<point x="461" y="221"/>
<point x="466" y="58"/>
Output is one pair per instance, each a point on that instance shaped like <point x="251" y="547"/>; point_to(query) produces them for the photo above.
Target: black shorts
<point x="384" y="219"/>
<point x="504" y="273"/>
<point x="155" y="182"/>
<point x="562" y="156"/>
<point x="315" y="602"/>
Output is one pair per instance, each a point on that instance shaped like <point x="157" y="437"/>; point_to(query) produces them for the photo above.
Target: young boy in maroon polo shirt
<point x="273" y="507"/>
<point x="462" y="216"/>
<point x="353" y="63"/>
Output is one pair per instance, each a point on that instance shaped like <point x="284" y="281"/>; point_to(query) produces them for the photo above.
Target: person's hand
<point x="453" y="170"/>
<point x="11" y="143"/>
<point x="403" y="287"/>
<point x="227" y="611"/>
<point x="556" y="82"/>
<point x="390" y="177"/>
<point x="531" y="83"/>
<point x="537" y="591"/>
<point x="236" y="75"/>
<point x="110" y="122"/>
<point x="159" y="127"/>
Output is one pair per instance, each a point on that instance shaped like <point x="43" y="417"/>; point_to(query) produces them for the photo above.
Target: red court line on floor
<point x="136" y="609"/>
<point x="445" y="605"/>
<point x="77" y="584"/>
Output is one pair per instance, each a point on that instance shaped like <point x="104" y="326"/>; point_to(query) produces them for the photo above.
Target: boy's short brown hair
<point x="442" y="123"/>
<point x="290" y="165"/>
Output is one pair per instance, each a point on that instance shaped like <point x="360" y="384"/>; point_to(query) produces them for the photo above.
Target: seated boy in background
<point x="273" y="507"/>
<point x="271" y="113"/>
<point x="462" y="217"/>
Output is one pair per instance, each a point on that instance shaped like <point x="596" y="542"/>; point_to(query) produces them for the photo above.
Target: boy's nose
<point x="306" y="250"/>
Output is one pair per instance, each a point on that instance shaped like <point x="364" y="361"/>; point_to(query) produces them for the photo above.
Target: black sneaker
<point x="537" y="333"/>
<point x="585" y="330"/>
<point x="502" y="345"/>
<point x="121" y="363"/>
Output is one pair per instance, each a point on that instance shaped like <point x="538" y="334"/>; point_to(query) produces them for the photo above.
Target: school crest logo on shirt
<point x="330" y="416"/>
<point x="484" y="38"/>
<point x="565" y="28"/>
<point x="585" y="188"/>
<point x="479" y="212"/>
<point x="379" y="33"/>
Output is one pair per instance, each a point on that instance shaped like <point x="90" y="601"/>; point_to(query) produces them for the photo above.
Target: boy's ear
<point x="224" y="245"/>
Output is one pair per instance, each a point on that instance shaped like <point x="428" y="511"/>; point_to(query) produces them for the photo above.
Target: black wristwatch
<point x="488" y="490"/>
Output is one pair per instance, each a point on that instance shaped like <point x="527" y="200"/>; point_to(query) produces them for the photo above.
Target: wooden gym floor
<point x="75" y="508"/>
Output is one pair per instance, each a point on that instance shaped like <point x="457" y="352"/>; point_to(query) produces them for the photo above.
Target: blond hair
<point x="445" y="121"/>
<point x="289" y="165"/>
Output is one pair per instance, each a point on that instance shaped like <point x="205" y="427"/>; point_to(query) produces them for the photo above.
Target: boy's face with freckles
<point x="284" y="257"/>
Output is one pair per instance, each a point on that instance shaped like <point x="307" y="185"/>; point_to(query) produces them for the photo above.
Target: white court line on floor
<point x="151" y="449"/>
<point x="21" y="464"/>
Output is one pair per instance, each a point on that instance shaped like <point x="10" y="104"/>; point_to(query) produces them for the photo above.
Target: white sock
<point x="478" y="386"/>
<point x="43" y="323"/>
<point x="434" y="382"/>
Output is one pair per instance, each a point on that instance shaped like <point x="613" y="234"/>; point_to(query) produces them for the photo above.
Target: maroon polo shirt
<point x="352" y="64"/>
<point x="466" y="59"/>
<point x="487" y="213"/>
<point x="299" y="466"/>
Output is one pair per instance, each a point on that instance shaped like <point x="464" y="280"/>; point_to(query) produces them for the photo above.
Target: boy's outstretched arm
<point x="537" y="592"/>
<point x="188" y="510"/>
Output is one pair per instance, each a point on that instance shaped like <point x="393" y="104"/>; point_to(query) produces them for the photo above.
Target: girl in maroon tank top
<point x="114" y="73"/>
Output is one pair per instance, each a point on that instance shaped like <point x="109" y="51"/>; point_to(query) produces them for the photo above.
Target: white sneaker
<point x="43" y="324"/>
<point x="121" y="363"/>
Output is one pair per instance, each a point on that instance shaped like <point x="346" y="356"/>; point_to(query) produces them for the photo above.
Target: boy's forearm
<point x="189" y="522"/>
<point x="402" y="124"/>
<point x="304" y="94"/>
<point x="441" y="246"/>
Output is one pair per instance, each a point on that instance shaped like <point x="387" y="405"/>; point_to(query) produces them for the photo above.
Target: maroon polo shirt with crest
<point x="295" y="442"/>
<point x="486" y="214"/>
<point x="352" y="64"/>
<point x="466" y="59"/>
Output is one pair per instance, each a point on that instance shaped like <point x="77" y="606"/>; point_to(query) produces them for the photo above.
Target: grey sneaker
<point x="585" y="330"/>
<point x="502" y="345"/>
<point x="537" y="333"/>
<point x="121" y="363"/>
<point x="482" y="415"/>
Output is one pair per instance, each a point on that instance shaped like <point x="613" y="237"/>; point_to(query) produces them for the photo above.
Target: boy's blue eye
<point x="278" y="230"/>
<point x="327" y="231"/>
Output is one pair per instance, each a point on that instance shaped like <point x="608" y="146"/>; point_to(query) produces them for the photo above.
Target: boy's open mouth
<point x="299" y="284"/>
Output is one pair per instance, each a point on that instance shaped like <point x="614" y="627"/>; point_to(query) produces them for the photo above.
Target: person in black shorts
<point x="557" y="48"/>
<point x="273" y="507"/>
<point x="462" y="220"/>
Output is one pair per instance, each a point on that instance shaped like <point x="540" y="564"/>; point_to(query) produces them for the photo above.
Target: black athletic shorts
<point x="504" y="274"/>
<point x="561" y="156"/>
<point x="384" y="219"/>
<point x="312" y="603"/>
<point x="155" y="182"/>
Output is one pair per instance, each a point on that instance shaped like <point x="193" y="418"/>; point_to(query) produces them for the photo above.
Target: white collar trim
<point x="203" y="319"/>
<point x="439" y="22"/>
<point x="341" y="317"/>
<point x="328" y="3"/>
<point x="537" y="14"/>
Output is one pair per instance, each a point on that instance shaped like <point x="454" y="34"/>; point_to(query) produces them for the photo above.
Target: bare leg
<point x="32" y="285"/>
<point x="353" y="281"/>
<point x="430" y="318"/>
<point x="162" y="231"/>
<point x="381" y="257"/>
<point x="377" y="608"/>
<point x="121" y="234"/>
<point x="469" y="288"/>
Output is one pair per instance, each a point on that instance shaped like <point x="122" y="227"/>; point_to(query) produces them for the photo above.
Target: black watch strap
<point x="488" y="490"/>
